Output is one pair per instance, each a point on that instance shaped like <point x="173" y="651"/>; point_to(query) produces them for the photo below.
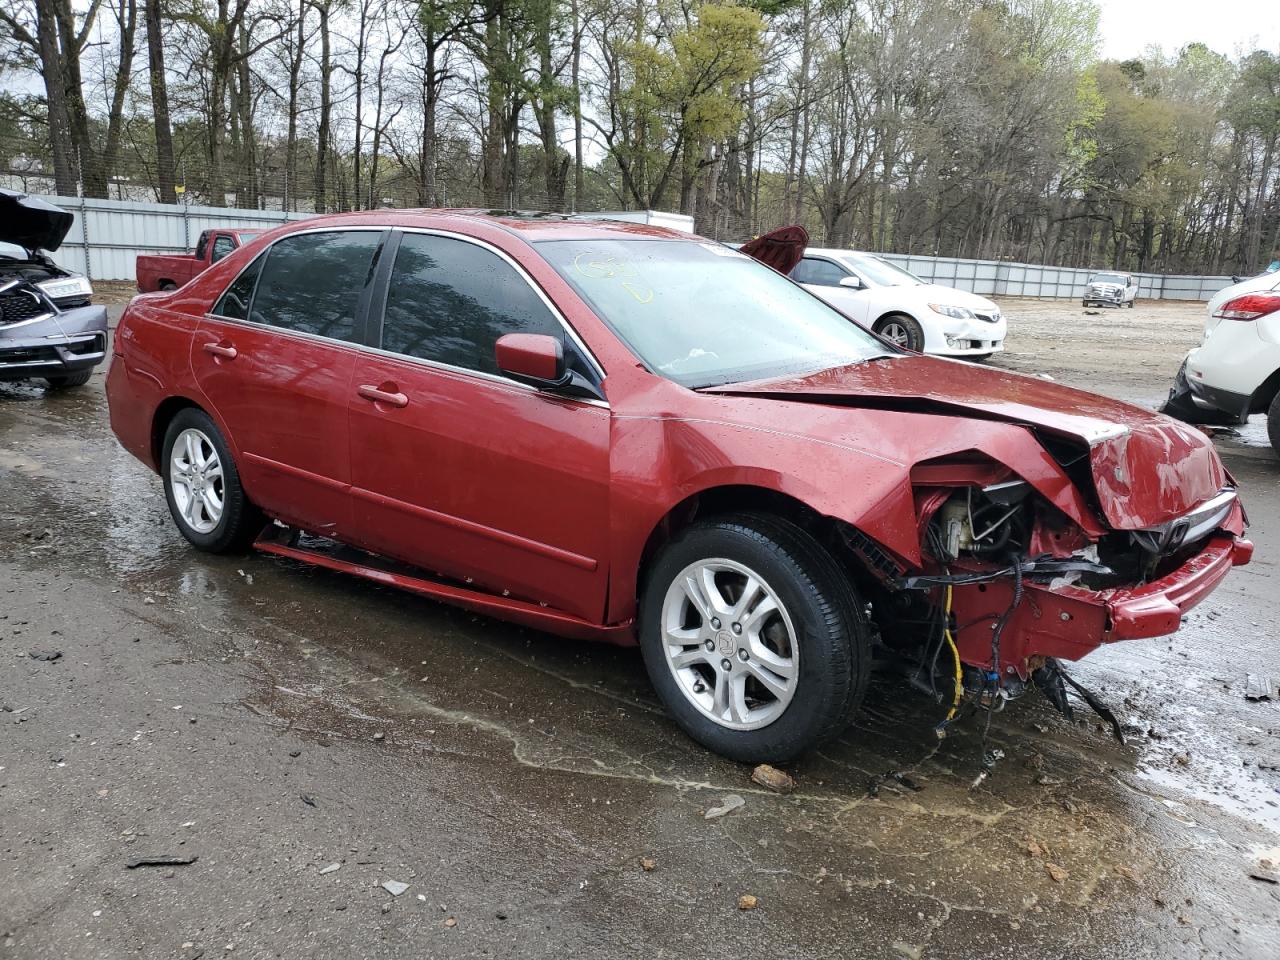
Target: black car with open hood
<point x="48" y="329"/>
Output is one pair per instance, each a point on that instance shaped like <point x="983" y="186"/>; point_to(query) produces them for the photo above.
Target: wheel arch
<point x="170" y="407"/>
<point x="1261" y="399"/>
<point x="835" y="535"/>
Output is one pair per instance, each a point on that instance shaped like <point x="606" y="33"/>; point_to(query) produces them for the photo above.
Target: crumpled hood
<point x="1146" y="467"/>
<point x="32" y="224"/>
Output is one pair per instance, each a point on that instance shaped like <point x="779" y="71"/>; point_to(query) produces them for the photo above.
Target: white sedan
<point x="900" y="306"/>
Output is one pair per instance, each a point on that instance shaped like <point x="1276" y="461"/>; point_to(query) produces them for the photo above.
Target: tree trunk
<point x="326" y="109"/>
<point x="166" y="174"/>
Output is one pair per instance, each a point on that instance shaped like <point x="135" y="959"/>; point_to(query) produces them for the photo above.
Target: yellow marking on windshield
<point x="596" y="266"/>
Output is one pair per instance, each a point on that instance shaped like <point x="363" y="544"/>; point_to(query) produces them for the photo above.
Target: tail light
<point x="1251" y="306"/>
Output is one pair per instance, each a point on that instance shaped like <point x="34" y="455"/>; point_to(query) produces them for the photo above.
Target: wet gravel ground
<point x="273" y="720"/>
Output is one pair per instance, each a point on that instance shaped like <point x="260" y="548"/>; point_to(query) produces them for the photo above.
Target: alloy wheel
<point x="195" y="475"/>
<point x="730" y="644"/>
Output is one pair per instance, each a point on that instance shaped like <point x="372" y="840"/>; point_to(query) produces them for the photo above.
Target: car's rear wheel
<point x="902" y="330"/>
<point x="1273" y="423"/>
<point x="166" y="285"/>
<point x="202" y="486"/>
<point x="69" y="380"/>
<point x="753" y="637"/>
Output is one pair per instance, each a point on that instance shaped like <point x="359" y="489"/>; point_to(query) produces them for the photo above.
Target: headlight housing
<point x="955" y="313"/>
<point x="65" y="287"/>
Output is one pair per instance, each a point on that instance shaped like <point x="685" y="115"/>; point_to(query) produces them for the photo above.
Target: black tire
<point x="69" y="380"/>
<point x="167" y="285"/>
<point x="978" y="357"/>
<point x="909" y="325"/>
<point x="1273" y="423"/>
<point x="831" y="634"/>
<point x="240" y="521"/>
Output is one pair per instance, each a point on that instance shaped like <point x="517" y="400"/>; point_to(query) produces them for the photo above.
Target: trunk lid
<point x="781" y="249"/>
<point x="1146" y="467"/>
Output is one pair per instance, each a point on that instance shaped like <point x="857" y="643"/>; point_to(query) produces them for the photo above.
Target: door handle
<point x="389" y="395"/>
<point x="224" y="351"/>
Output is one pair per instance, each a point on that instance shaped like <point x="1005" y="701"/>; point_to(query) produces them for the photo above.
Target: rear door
<point x="459" y="469"/>
<point x="275" y="360"/>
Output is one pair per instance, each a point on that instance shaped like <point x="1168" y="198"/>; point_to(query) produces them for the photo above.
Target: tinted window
<point x="221" y="247"/>
<point x="201" y="244"/>
<point x="450" y="301"/>
<point x="821" y="272"/>
<point x="312" y="282"/>
<point x="234" y="303"/>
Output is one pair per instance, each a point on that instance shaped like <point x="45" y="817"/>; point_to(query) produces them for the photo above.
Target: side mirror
<point x="853" y="283"/>
<point x="532" y="358"/>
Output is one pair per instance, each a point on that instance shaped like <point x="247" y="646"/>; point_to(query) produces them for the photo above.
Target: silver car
<point x="1111" y="290"/>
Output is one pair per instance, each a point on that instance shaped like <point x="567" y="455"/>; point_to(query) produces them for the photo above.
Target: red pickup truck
<point x="168" y="271"/>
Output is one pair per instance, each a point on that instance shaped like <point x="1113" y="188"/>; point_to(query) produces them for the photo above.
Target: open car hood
<point x="781" y="249"/>
<point x="1146" y="468"/>
<point x="32" y="224"/>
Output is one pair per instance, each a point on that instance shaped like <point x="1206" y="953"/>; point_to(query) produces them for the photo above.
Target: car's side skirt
<point x="282" y="542"/>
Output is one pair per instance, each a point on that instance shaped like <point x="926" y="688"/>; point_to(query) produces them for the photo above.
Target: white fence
<point x="109" y="234"/>
<point x="1002" y="279"/>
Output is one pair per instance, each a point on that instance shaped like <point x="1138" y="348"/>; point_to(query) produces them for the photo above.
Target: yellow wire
<point x="955" y="653"/>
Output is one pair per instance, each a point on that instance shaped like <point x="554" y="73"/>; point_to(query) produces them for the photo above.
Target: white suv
<point x="898" y="305"/>
<point x="1236" y="369"/>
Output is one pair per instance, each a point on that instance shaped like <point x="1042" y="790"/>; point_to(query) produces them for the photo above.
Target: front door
<point x="275" y="359"/>
<point x="823" y="277"/>
<point x="460" y="470"/>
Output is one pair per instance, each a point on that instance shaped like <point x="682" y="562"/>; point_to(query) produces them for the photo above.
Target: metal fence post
<point x="84" y="236"/>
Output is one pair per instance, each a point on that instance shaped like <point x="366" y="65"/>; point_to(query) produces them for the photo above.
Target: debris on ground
<point x="450" y="922"/>
<point x="46" y="655"/>
<point x="748" y="902"/>
<point x="1267" y="870"/>
<point x="1035" y="849"/>
<point x="1258" y="686"/>
<point x="1057" y="873"/>
<point x="727" y="805"/>
<point x="330" y="868"/>
<point x="308" y="799"/>
<point x="379" y="737"/>
<point x="771" y="778"/>
<point x="160" y="861"/>
<point x="394" y="887"/>
<point x="647" y="864"/>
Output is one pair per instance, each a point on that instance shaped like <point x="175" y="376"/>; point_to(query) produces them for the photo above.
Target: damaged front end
<point x="1010" y="585"/>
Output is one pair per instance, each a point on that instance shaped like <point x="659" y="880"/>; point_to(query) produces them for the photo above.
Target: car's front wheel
<point x="753" y="637"/>
<point x="902" y="330"/>
<point x="202" y="486"/>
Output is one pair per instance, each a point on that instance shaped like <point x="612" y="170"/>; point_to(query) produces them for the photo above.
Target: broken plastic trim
<point x="1050" y="679"/>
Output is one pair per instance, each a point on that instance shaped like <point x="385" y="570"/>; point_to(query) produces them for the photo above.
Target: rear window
<point x="313" y="282"/>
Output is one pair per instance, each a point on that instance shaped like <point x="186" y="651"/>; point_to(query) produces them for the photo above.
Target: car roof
<point x="531" y="226"/>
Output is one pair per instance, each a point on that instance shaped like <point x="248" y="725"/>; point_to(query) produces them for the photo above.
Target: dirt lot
<point x="274" y="721"/>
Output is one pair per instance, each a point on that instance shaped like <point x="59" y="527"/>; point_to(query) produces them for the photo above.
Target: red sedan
<point x="619" y="432"/>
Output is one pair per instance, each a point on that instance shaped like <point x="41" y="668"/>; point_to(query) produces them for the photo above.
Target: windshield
<point x="702" y="314"/>
<point x="1110" y="278"/>
<point x="879" y="272"/>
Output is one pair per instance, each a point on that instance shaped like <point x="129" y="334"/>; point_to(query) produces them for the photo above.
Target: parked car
<point x="48" y="329"/>
<point x="1235" y="372"/>
<point x="24" y="250"/>
<point x="614" y="431"/>
<point x="925" y="317"/>
<point x="168" y="271"/>
<point x="1111" y="290"/>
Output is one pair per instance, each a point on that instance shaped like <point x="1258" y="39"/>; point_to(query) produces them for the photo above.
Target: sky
<point x="1129" y="26"/>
